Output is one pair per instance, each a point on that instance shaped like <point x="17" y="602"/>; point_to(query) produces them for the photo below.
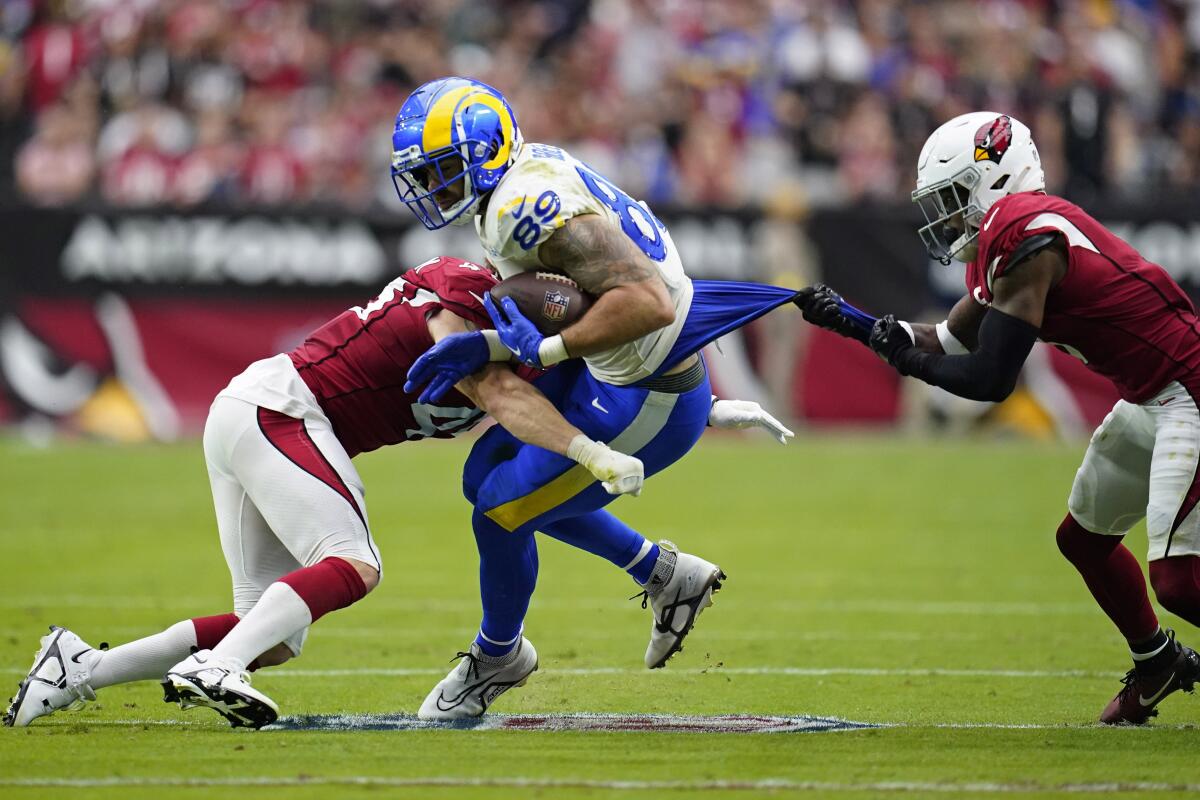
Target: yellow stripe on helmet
<point x="439" y="121"/>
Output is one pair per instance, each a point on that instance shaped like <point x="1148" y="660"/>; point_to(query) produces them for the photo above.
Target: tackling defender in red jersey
<point x="289" y="502"/>
<point x="1040" y="267"/>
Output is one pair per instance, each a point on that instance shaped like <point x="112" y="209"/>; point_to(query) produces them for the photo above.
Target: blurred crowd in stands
<point x="695" y="102"/>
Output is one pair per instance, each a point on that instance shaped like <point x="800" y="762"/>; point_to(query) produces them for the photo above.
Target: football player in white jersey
<point x="458" y="156"/>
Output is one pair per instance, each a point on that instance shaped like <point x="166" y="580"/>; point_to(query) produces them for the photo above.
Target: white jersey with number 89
<point x="543" y="189"/>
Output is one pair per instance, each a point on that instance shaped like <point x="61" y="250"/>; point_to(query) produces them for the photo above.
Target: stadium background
<point x="186" y="186"/>
<point x="190" y="185"/>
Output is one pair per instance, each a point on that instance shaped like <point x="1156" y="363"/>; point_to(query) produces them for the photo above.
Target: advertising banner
<point x="126" y="323"/>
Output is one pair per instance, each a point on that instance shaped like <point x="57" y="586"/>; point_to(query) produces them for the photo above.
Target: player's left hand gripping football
<point x="446" y="363"/>
<point x="618" y="473"/>
<point x="521" y="336"/>
<point x="736" y="414"/>
<point x="890" y="337"/>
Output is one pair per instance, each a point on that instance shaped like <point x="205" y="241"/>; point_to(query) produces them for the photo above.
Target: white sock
<point x="278" y="614"/>
<point x="144" y="659"/>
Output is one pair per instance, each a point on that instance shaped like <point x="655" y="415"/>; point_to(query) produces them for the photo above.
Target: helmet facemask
<point x="418" y="180"/>
<point x="950" y="201"/>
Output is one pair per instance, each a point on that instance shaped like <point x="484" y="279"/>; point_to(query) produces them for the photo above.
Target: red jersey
<point x="356" y="363"/>
<point x="1123" y="316"/>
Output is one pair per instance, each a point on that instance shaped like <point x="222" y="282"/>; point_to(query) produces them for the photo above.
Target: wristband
<point x="581" y="449"/>
<point x="552" y="350"/>
<point x="951" y="346"/>
<point x="496" y="349"/>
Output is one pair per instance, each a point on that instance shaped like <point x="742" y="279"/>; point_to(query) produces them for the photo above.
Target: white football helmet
<point x="965" y="166"/>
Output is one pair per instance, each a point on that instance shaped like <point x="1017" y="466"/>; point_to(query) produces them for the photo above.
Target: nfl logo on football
<point x="555" y="307"/>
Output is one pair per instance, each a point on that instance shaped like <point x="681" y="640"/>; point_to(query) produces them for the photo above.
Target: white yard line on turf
<point x="801" y="672"/>
<point x="358" y="632"/>
<point x="909" y="607"/>
<point x="980" y="787"/>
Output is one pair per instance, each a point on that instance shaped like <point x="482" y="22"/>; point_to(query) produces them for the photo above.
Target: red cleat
<point x="1135" y="703"/>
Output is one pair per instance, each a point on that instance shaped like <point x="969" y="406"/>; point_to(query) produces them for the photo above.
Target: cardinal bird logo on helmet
<point x="992" y="140"/>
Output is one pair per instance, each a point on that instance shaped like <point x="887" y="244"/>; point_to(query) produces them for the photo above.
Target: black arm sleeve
<point x="989" y="372"/>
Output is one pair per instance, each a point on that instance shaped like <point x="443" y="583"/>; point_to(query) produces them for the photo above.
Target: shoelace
<point x="1131" y="676"/>
<point x="471" y="659"/>
<point x="1129" y="691"/>
<point x="668" y="611"/>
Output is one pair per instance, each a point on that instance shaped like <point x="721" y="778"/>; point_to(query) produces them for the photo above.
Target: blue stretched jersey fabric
<point x="719" y="307"/>
<point x="519" y="486"/>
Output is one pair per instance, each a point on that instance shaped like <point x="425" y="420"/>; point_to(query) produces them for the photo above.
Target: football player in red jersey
<point x="1041" y="267"/>
<point x="289" y="502"/>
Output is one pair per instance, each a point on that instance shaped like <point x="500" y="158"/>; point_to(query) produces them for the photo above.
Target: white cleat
<point x="201" y="680"/>
<point x="678" y="602"/>
<point x="58" y="679"/>
<point x="477" y="681"/>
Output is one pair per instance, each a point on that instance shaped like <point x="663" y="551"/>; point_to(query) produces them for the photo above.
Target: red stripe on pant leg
<point x="210" y="630"/>
<point x="1193" y="495"/>
<point x="290" y="437"/>
<point x="1186" y="507"/>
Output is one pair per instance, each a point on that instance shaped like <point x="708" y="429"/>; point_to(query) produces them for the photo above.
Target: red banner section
<point x="127" y="324"/>
<point x="140" y="368"/>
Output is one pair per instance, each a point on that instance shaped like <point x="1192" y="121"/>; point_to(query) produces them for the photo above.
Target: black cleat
<point x="1136" y="702"/>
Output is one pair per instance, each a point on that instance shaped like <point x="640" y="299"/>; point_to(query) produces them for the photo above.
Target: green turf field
<point x="911" y="583"/>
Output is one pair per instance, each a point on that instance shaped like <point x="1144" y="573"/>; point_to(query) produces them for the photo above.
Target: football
<point x="550" y="300"/>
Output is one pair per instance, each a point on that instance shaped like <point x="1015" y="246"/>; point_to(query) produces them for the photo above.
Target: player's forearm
<point x="938" y="339"/>
<point x="622" y="314"/>
<point x="527" y="414"/>
<point x="927" y="338"/>
<point x="520" y="408"/>
<point x="989" y="373"/>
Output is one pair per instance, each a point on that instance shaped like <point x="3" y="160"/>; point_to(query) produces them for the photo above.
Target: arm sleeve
<point x="989" y="373"/>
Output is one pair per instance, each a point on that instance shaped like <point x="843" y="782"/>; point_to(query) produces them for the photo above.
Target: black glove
<point x="823" y="307"/>
<point x="890" y="338"/>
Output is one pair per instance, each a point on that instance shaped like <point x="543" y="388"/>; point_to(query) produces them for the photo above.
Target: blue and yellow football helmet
<point x="448" y="131"/>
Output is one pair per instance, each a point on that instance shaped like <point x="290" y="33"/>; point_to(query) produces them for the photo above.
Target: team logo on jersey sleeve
<point x="555" y="306"/>
<point x="992" y="140"/>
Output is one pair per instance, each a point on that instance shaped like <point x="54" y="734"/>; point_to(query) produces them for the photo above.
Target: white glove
<point x="731" y="414"/>
<point x="617" y="472"/>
